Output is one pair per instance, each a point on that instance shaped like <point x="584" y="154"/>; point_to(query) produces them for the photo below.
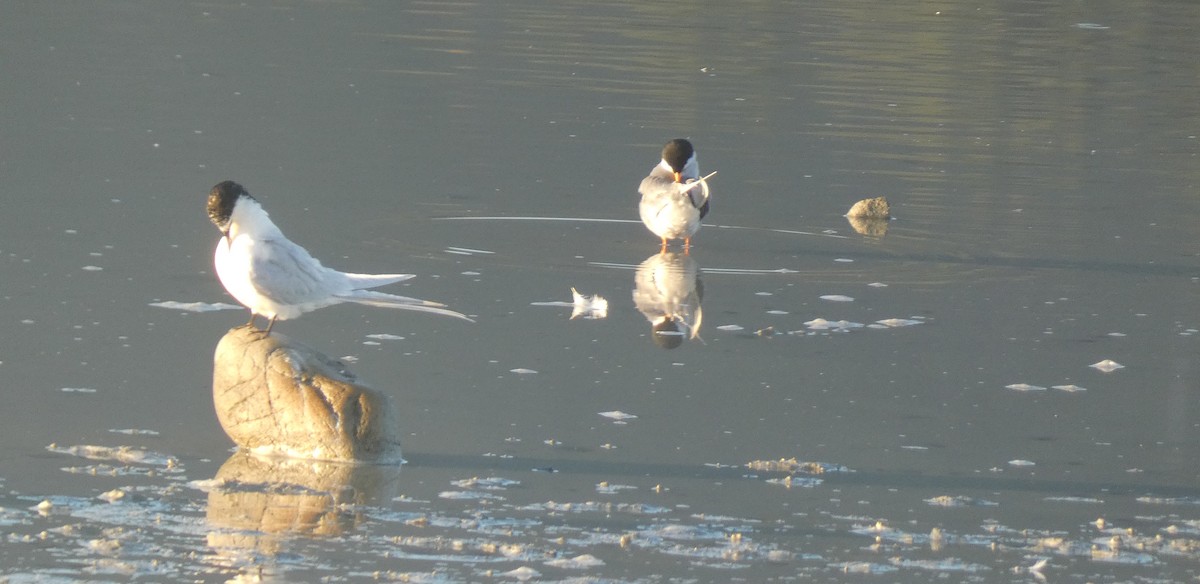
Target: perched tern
<point x="278" y="279"/>
<point x="674" y="197"/>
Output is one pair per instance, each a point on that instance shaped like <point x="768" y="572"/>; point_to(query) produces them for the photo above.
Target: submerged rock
<point x="277" y="396"/>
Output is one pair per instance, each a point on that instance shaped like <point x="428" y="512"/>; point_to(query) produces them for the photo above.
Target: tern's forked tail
<point x="385" y="300"/>
<point x="359" y="281"/>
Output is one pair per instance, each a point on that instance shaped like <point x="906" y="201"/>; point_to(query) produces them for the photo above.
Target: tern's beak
<point x="678" y="177"/>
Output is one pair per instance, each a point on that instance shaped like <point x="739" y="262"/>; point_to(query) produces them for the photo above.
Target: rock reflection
<point x="668" y="291"/>
<point x="868" y="226"/>
<point x="256" y="502"/>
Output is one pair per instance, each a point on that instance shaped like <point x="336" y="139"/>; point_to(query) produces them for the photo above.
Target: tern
<point x="674" y="196"/>
<point x="279" y="280"/>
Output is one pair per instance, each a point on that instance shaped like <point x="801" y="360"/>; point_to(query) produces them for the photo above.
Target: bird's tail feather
<point x="359" y="281"/>
<point x="382" y="299"/>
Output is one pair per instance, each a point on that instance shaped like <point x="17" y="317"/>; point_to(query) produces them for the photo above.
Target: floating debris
<point x="589" y="307"/>
<point x="522" y="371"/>
<point x="1020" y="462"/>
<point x="385" y="337"/>
<point x="730" y="327"/>
<point x="618" y="415"/>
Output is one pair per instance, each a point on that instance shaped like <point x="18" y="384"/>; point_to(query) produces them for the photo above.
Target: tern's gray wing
<point x="287" y="274"/>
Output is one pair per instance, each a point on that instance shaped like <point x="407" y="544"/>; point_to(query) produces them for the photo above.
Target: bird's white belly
<point x="674" y="218"/>
<point x="233" y="269"/>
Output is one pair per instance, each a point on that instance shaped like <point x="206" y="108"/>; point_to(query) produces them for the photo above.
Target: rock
<point x="277" y="396"/>
<point x="876" y="208"/>
<point x="870" y="217"/>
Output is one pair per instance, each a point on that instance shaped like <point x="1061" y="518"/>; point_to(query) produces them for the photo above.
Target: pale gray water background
<point x="1041" y="160"/>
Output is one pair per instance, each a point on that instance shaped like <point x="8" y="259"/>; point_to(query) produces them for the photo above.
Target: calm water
<point x="1043" y="164"/>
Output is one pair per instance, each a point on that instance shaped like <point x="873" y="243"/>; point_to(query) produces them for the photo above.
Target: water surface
<point x="907" y="406"/>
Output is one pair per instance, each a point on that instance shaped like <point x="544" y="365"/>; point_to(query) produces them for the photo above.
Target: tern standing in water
<point x="674" y="197"/>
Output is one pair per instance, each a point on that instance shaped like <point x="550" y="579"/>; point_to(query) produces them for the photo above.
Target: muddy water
<point x="928" y="400"/>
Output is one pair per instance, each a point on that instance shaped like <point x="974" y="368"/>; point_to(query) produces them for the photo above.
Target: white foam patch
<point x="468" y="495"/>
<point x="579" y="562"/>
<point x="1069" y="388"/>
<point x="522" y="574"/>
<point x="837" y="298"/>
<point x="606" y="488"/>
<point x="385" y="337"/>
<point x="1107" y="365"/>
<point x="898" y="322"/>
<point x="821" y="324"/>
<point x="1024" y="387"/>
<point x="126" y="454"/>
<point x="487" y="484"/>
<point x="959" y="501"/>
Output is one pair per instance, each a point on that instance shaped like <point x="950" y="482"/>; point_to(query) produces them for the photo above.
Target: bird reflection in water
<point x="668" y="291"/>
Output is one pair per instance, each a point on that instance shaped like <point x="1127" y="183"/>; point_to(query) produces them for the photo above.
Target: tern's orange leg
<point x="269" y="325"/>
<point x="663" y="249"/>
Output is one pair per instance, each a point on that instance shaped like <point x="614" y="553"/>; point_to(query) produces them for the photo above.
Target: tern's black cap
<point x="221" y="200"/>
<point x="677" y="152"/>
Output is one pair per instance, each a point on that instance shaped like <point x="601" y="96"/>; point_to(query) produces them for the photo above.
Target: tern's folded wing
<point x="287" y="274"/>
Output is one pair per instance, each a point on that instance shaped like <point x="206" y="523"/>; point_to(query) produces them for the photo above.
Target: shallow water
<point x="938" y="379"/>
